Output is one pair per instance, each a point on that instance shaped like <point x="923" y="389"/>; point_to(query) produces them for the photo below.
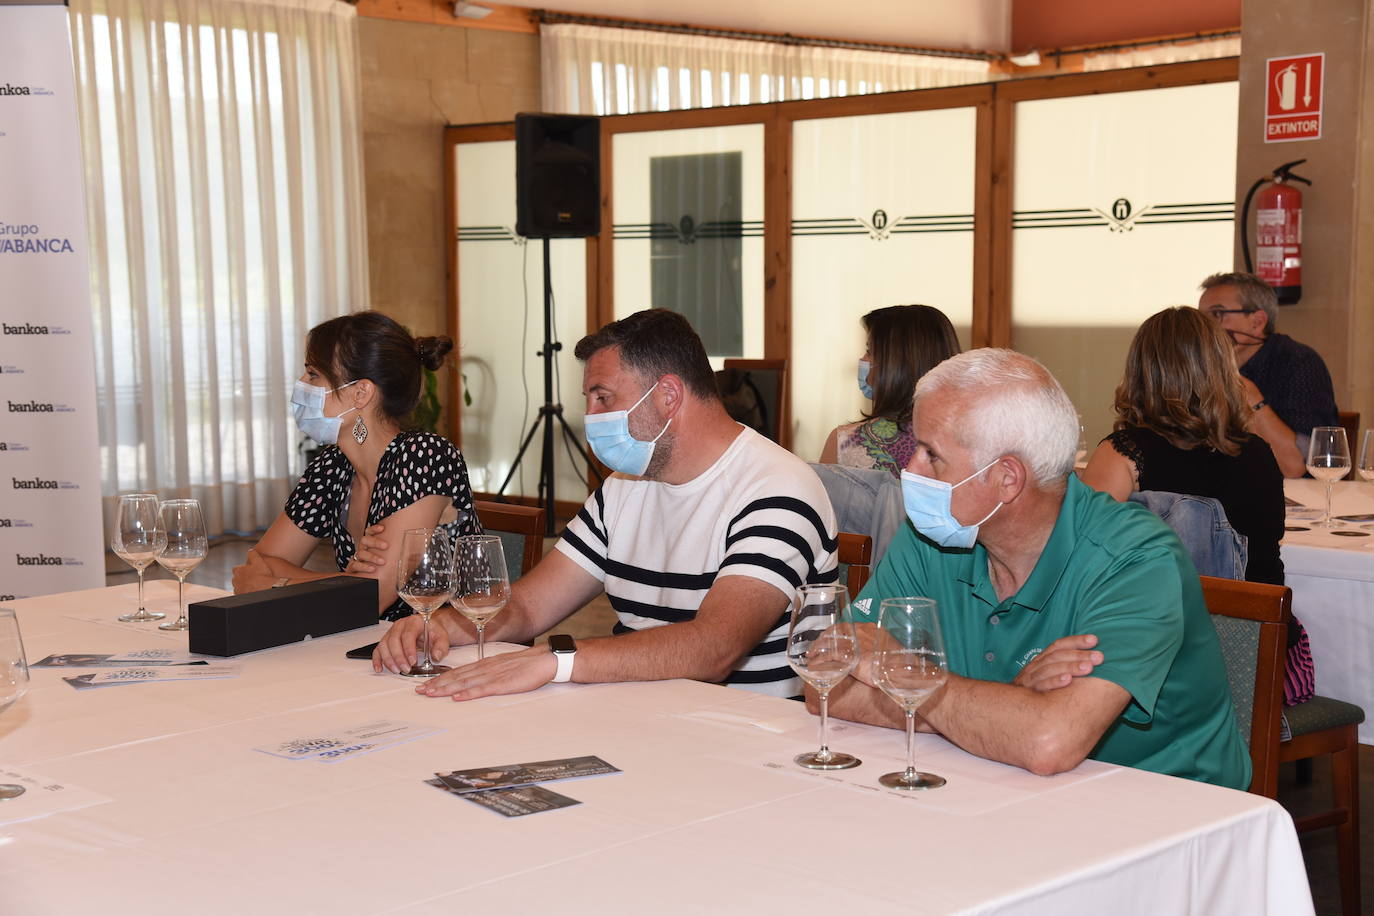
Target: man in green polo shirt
<point x="1074" y="625"/>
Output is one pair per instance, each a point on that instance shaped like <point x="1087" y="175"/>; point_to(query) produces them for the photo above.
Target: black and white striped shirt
<point x="658" y="548"/>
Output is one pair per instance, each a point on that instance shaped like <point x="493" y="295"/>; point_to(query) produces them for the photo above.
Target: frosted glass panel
<point x="1123" y="204"/>
<point x="501" y="314"/>
<point x="882" y="214"/>
<point x="688" y="215"/>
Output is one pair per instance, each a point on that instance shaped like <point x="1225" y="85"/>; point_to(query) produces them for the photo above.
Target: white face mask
<point x="609" y="436"/>
<point x="307" y="404"/>
<point x="927" y="503"/>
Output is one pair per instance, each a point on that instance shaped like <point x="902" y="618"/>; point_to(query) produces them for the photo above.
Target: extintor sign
<point x="1293" y="98"/>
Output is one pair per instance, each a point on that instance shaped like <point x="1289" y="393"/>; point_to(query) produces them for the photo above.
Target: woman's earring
<point x="359" y="431"/>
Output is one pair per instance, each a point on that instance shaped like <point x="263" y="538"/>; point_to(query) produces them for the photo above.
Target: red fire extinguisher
<point x="1278" y="231"/>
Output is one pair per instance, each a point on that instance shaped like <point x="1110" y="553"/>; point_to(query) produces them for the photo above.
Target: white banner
<point x="51" y="535"/>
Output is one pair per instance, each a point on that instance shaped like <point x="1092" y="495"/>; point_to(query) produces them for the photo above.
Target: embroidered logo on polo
<point x="1123" y="216"/>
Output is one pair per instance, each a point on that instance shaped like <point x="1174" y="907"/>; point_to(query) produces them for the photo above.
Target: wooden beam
<point x="503" y="18"/>
<point x="777" y="257"/>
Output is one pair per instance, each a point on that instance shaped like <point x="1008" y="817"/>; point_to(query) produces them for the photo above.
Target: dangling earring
<point x="359" y="430"/>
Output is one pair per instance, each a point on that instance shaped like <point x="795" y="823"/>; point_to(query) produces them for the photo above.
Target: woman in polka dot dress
<point x="362" y="378"/>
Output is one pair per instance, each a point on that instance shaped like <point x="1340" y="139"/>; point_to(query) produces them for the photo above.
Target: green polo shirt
<point x="1111" y="569"/>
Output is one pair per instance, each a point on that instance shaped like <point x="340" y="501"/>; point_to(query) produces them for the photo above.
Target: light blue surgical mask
<point x="609" y="436"/>
<point x="307" y="404"/>
<point x="865" y="367"/>
<point x="927" y="503"/>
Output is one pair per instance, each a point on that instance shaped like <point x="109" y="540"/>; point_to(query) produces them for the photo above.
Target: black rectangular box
<point x="243" y="623"/>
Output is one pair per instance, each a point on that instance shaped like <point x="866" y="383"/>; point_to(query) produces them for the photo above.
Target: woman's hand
<point x="254" y="575"/>
<point x="370" y="554"/>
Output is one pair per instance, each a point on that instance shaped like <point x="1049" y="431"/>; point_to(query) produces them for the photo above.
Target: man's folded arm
<point x="1045" y="733"/>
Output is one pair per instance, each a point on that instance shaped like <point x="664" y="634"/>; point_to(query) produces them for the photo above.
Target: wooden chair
<point x="769" y="376"/>
<point x="1252" y="620"/>
<point x="856" y="554"/>
<point x="521" y="529"/>
<point x="1350" y="419"/>
<point x="1326" y="726"/>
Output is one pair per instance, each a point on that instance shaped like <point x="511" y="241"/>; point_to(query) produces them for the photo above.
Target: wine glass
<point x="1328" y="460"/>
<point x="14" y="678"/>
<point x="822" y="649"/>
<point x="185" y="546"/>
<point x="1366" y="465"/>
<point x="424" y="580"/>
<point x="137" y="538"/>
<point x="910" y="665"/>
<point x="483" y="585"/>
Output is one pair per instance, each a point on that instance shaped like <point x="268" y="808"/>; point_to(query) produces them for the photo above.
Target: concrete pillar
<point x="1336" y="314"/>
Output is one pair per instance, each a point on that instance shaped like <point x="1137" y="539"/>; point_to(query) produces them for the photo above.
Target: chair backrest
<point x="1251" y="620"/>
<point x="856" y="557"/>
<point x="521" y="529"/>
<point x="767" y="378"/>
<point x="1350" y="419"/>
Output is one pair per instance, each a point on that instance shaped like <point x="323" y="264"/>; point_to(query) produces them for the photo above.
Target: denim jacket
<point x="866" y="501"/>
<point x="1201" y="524"/>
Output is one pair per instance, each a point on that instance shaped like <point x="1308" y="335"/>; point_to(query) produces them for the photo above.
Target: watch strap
<point x="563" y="673"/>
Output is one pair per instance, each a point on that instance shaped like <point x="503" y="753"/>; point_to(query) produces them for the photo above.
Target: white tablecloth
<point x="708" y="815"/>
<point x="1332" y="577"/>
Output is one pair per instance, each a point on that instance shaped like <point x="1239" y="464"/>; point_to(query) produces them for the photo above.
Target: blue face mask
<point x="609" y="436"/>
<point x="307" y="404"/>
<point x="864" y="368"/>
<point x="927" y="505"/>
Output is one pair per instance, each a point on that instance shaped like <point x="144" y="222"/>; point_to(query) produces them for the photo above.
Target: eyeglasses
<point x="1218" y="313"/>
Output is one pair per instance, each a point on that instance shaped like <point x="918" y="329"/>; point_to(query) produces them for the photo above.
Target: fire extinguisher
<point x="1278" y="231"/>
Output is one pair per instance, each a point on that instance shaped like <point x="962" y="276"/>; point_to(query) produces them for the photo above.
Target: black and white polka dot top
<point x="414" y="465"/>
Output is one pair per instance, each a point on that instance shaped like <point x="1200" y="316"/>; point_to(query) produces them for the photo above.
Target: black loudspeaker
<point x="557" y="176"/>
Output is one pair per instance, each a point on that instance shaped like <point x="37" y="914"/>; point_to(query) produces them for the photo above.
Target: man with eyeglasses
<point x="1287" y="383"/>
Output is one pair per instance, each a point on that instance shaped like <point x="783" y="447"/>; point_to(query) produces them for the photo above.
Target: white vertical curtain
<point x="224" y="188"/>
<point x="607" y="71"/>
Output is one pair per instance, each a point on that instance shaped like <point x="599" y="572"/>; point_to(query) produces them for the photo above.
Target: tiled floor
<point x="1319" y="849"/>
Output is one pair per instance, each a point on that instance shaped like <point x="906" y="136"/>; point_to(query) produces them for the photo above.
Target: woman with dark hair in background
<point x="1181" y="427"/>
<point x="904" y="343"/>
<point x="362" y="379"/>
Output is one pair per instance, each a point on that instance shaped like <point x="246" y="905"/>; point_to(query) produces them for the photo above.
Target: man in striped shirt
<point x="699" y="539"/>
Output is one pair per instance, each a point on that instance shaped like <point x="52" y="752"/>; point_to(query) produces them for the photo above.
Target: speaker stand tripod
<point x="548" y="414"/>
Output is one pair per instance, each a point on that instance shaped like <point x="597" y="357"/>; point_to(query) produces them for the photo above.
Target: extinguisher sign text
<point x="1293" y="98"/>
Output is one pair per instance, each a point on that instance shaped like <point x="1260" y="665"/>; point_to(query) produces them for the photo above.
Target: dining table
<point x="212" y="795"/>
<point x="1331" y="573"/>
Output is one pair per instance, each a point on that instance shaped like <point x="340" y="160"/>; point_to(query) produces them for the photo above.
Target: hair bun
<point x="432" y="350"/>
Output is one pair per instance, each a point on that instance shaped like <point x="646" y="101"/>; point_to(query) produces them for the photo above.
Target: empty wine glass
<point x="1328" y="460"/>
<point x="822" y="649"/>
<point x="14" y="678"/>
<point x="1366" y="465"/>
<point x="184" y="548"/>
<point x="424" y="580"/>
<point x="137" y="538"/>
<point x="910" y="665"/>
<point x="483" y="584"/>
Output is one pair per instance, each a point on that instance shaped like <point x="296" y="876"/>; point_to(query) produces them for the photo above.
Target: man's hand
<point x="254" y="575"/>
<point x="513" y="672"/>
<point x="370" y="552"/>
<point x="397" y="651"/>
<point x="870" y="638"/>
<point x="1057" y="666"/>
